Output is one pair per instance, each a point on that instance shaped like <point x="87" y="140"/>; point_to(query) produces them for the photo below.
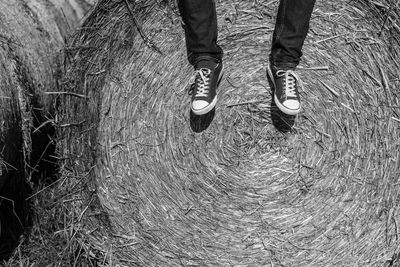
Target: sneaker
<point x="207" y="77"/>
<point x="286" y="93"/>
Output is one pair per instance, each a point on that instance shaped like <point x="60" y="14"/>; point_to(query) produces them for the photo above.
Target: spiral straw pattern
<point x="244" y="185"/>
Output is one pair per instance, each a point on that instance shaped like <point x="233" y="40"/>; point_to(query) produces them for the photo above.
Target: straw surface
<point x="158" y="186"/>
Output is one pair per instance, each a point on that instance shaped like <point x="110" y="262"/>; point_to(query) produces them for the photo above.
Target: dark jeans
<point x="291" y="28"/>
<point x="201" y="32"/>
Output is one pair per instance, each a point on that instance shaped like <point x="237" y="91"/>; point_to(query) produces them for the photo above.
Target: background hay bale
<point x="31" y="37"/>
<point x="155" y="186"/>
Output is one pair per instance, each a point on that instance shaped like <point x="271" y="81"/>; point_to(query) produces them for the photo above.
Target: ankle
<point x="205" y="61"/>
<point x="283" y="66"/>
<point x="208" y="64"/>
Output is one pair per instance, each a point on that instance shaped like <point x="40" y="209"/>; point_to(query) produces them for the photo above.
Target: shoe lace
<point x="290" y="78"/>
<point x="202" y="76"/>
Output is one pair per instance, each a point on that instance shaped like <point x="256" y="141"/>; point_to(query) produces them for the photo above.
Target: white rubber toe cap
<point x="292" y="104"/>
<point x="199" y="104"/>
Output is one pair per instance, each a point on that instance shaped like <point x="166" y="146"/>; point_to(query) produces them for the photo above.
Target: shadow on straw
<point x="199" y="123"/>
<point x="282" y="122"/>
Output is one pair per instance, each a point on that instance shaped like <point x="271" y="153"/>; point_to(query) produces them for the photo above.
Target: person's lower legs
<point x="201" y="33"/>
<point x="291" y="28"/>
<point x="200" y="25"/>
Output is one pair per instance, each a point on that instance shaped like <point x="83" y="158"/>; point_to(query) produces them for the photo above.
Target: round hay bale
<point x="155" y="186"/>
<point x="32" y="35"/>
